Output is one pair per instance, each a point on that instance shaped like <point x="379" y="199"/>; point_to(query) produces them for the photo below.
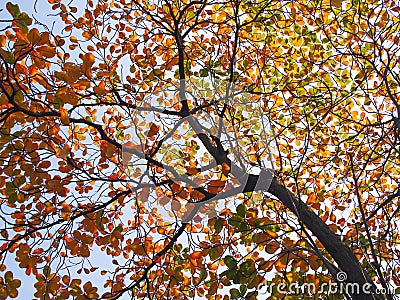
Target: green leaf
<point x="179" y="260"/>
<point x="19" y="97"/>
<point x="234" y="276"/>
<point x="23" y="17"/>
<point x="235" y="221"/>
<point x="13" y="9"/>
<point x="230" y="262"/>
<point x="218" y="225"/>
<point x="203" y="274"/>
<point x="46" y="270"/>
<point x="203" y="73"/>
<point x="252" y="294"/>
<point x="274" y="228"/>
<point x="243" y="289"/>
<point x="23" y="21"/>
<point x="8" y="276"/>
<point x="157" y="72"/>
<point x="12" y="198"/>
<point x="235" y="294"/>
<point x="247" y="268"/>
<point x="215" y="252"/>
<point x="241" y="210"/>
<point x="60" y="75"/>
<point x="9" y="57"/>
<point x="118" y="228"/>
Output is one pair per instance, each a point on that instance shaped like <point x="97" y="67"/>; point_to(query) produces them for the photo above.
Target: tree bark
<point x="342" y="254"/>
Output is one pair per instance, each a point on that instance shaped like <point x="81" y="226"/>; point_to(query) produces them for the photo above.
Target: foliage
<point x="139" y="103"/>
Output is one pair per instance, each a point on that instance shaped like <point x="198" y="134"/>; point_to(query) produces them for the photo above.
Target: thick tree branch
<point x="341" y="253"/>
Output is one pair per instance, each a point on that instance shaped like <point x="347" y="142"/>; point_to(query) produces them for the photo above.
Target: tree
<point x="140" y="131"/>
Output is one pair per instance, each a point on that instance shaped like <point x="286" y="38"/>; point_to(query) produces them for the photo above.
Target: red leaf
<point x="153" y="130"/>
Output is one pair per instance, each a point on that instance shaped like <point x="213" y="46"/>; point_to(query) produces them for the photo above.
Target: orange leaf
<point x="215" y="186"/>
<point x="183" y="194"/>
<point x="46" y="51"/>
<point x="176" y="188"/>
<point x="3" y="40"/>
<point x="336" y="3"/>
<point x="192" y="171"/>
<point x="195" y="255"/>
<point x="100" y="89"/>
<point x="44" y="164"/>
<point x="133" y="146"/>
<point x="163" y="200"/>
<point x="196" y="195"/>
<point x="225" y="169"/>
<point x="88" y="61"/>
<point x="64" y="116"/>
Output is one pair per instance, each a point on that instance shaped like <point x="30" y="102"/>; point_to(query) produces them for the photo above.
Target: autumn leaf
<point x="144" y="195"/>
<point x="336" y="3"/>
<point x="215" y="186"/>
<point x="196" y="195"/>
<point x="154" y="129"/>
<point x="199" y="150"/>
<point x="100" y="88"/>
<point x="3" y="40"/>
<point x="192" y="170"/>
<point x="34" y="36"/>
<point x="132" y="146"/>
<point x="46" y="51"/>
<point x="88" y="61"/>
<point x="64" y="116"/>
<point x="13" y="9"/>
<point x="225" y="168"/>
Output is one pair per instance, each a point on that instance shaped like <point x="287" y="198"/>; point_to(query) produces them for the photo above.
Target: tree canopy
<point x="206" y="149"/>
